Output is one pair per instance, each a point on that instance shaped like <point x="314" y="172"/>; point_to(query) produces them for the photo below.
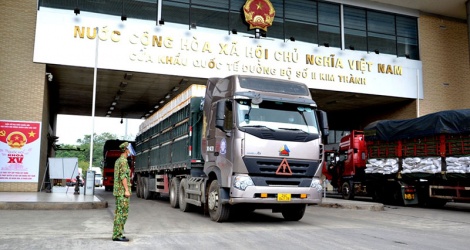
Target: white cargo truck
<point x="237" y="144"/>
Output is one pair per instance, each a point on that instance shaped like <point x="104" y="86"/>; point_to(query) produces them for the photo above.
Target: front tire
<point x="293" y="212"/>
<point x="218" y="212"/>
<point x="346" y="191"/>
<point x="174" y="190"/>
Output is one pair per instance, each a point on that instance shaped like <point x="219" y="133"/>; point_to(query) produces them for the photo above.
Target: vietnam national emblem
<point x="259" y="14"/>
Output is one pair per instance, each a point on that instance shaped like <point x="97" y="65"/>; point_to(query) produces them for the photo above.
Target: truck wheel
<point x="293" y="212"/>
<point x="218" y="212"/>
<point x="184" y="206"/>
<point x="139" y="187"/>
<point x="346" y="191"/>
<point x="145" y="188"/>
<point x="174" y="190"/>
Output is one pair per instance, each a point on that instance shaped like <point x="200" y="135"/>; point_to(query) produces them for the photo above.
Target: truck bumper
<point x="253" y="194"/>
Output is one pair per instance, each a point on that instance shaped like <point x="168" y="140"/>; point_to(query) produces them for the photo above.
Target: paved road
<point x="153" y="224"/>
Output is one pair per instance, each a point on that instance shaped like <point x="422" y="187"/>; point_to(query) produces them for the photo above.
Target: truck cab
<point x="258" y="136"/>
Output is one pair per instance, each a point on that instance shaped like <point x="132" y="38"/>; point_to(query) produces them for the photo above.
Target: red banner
<point x="18" y="134"/>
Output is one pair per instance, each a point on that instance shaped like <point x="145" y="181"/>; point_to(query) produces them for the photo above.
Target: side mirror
<point x="219" y="116"/>
<point x="323" y="122"/>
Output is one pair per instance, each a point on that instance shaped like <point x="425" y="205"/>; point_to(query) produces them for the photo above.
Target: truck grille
<point x="268" y="167"/>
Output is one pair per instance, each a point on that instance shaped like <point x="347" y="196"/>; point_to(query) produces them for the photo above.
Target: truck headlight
<point x="316" y="183"/>
<point x="242" y="182"/>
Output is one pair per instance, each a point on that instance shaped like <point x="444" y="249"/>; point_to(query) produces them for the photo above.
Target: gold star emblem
<point x="32" y="134"/>
<point x="259" y="6"/>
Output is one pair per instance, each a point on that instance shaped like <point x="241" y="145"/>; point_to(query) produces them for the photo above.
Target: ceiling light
<point x="111" y="108"/>
<point x="109" y="112"/>
<point x="175" y="89"/>
<point x="123" y="84"/>
<point x="151" y="111"/>
<point x="157" y="106"/>
<point x="168" y="96"/>
<point x="113" y="103"/>
<point x="183" y="81"/>
<point x="162" y="101"/>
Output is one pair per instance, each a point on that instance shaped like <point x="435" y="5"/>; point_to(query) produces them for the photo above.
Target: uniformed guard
<point x="122" y="191"/>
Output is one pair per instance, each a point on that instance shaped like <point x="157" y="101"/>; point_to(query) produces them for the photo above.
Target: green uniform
<point x="121" y="171"/>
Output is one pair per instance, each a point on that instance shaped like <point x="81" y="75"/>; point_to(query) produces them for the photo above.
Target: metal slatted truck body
<point x="237" y="144"/>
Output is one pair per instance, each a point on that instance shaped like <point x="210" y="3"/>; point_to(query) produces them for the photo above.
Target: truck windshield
<point x="276" y="115"/>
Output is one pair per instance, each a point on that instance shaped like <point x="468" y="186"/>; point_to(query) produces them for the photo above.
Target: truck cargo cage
<point x="421" y="147"/>
<point x="458" y="144"/>
<point x="382" y="149"/>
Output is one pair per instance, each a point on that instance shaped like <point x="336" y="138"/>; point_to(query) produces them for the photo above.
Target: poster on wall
<point x="19" y="151"/>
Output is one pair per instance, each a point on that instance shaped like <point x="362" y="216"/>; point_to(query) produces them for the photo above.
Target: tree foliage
<point x="82" y="150"/>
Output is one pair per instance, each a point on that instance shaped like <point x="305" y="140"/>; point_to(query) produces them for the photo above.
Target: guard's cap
<point x="123" y="146"/>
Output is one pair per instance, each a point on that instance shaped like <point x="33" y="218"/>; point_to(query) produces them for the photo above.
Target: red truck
<point x="111" y="153"/>
<point x="424" y="160"/>
<point x="345" y="166"/>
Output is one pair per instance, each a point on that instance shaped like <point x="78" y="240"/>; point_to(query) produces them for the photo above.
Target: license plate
<point x="409" y="196"/>
<point x="283" y="197"/>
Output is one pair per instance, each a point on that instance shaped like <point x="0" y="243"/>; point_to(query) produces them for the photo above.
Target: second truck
<point x="425" y="160"/>
<point x="111" y="153"/>
<point x="237" y="144"/>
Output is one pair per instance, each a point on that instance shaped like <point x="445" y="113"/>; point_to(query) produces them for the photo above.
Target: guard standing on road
<point x="122" y="191"/>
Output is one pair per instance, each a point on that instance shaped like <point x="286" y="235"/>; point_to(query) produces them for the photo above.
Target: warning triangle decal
<point x="284" y="168"/>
